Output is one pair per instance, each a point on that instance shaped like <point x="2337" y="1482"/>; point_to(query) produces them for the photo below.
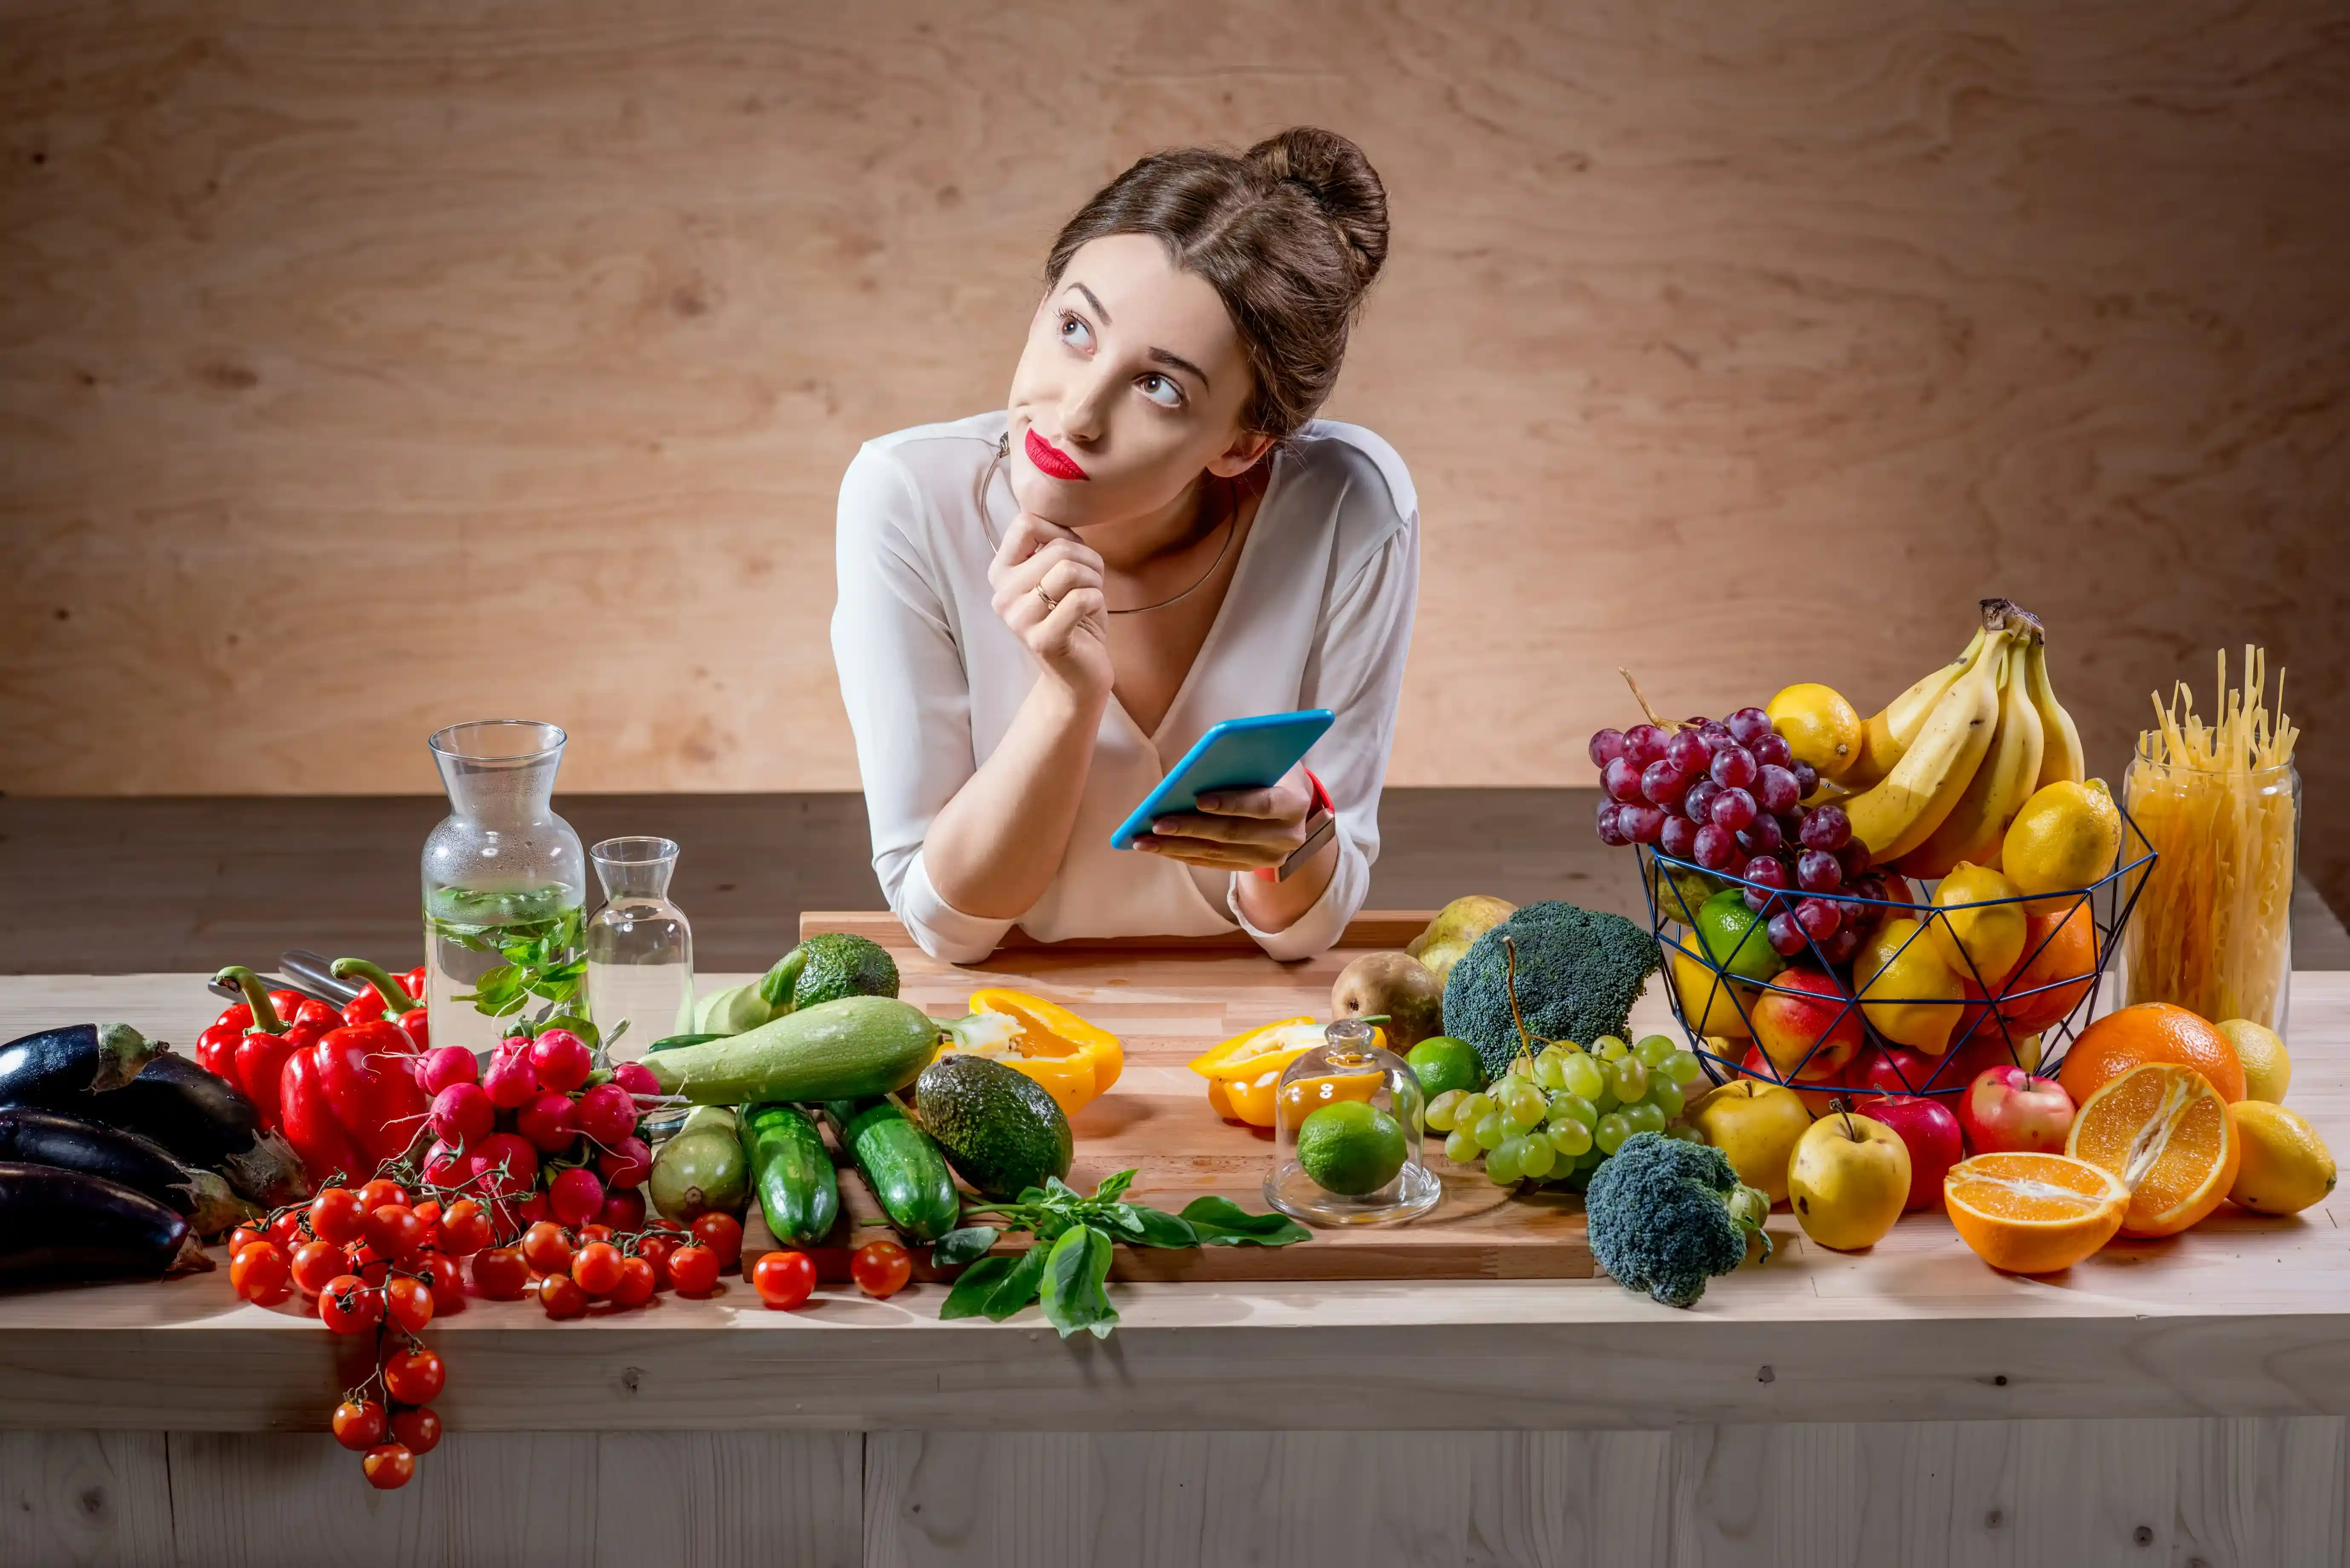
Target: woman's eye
<point x="1076" y="333"/>
<point x="1162" y="391"/>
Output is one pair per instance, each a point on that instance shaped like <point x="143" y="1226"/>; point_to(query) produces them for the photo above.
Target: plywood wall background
<point x="364" y="369"/>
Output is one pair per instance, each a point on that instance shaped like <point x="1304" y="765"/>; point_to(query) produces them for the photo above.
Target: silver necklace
<point x="1232" y="516"/>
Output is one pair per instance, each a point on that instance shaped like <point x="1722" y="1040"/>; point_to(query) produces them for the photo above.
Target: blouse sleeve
<point x="909" y="698"/>
<point x="1359" y="676"/>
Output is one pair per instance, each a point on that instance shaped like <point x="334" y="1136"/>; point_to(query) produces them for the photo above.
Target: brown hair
<point x="1289" y="235"/>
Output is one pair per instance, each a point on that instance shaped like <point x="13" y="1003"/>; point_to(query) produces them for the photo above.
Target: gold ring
<point x="1050" y="602"/>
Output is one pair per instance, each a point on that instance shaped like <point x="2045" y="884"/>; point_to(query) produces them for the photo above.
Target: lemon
<point x="1907" y="993"/>
<point x="1713" y="1004"/>
<point x="1981" y="943"/>
<point x="2286" y="1165"/>
<point x="1818" y="725"/>
<point x="2267" y="1069"/>
<point x="2064" y="839"/>
<point x="1350" y="1148"/>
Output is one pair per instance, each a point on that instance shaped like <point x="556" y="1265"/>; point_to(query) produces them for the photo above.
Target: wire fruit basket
<point x="1829" y="1037"/>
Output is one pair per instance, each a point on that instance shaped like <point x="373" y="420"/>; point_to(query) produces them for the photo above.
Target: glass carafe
<point x="504" y="883"/>
<point x="640" y="948"/>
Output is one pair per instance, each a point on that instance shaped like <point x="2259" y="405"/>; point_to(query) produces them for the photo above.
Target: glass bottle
<point x="504" y="880"/>
<point x="640" y="948"/>
<point x="1347" y="1134"/>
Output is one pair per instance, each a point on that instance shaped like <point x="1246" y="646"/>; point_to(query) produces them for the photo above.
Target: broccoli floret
<point x="1666" y="1216"/>
<point x="1578" y="971"/>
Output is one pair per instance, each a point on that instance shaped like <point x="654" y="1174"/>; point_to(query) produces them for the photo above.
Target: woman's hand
<point x="1237" y="829"/>
<point x="1048" y="589"/>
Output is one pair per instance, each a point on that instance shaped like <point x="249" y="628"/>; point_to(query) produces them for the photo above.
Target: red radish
<point x="444" y="1065"/>
<point x="519" y="1160"/>
<point x="607" y="1114"/>
<point x="561" y="1060"/>
<point x="461" y="1113"/>
<point x="510" y="1083"/>
<point x="547" y="1121"/>
<point x="623" y="1211"/>
<point x="636" y="1078"/>
<point x="626" y="1163"/>
<point x="445" y="1164"/>
<point x="575" y="1196"/>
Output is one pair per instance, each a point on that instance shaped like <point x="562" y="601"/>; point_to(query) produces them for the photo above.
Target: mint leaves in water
<point x="1067" y="1271"/>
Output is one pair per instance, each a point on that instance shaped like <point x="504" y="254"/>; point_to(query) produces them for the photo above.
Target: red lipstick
<point x="1051" y="460"/>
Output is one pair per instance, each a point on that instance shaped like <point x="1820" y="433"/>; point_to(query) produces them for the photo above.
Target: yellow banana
<point x="1976" y="825"/>
<point x="1901" y="811"/>
<point x="1893" y="729"/>
<point x="2063" y="761"/>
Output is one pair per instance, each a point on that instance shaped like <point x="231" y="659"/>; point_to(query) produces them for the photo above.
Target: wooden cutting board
<point x="1168" y="999"/>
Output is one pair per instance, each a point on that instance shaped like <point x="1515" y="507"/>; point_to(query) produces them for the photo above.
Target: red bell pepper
<point x="250" y="1040"/>
<point x="351" y="1100"/>
<point x="388" y="993"/>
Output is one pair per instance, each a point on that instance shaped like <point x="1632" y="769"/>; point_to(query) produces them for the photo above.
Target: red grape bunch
<point x="1726" y="795"/>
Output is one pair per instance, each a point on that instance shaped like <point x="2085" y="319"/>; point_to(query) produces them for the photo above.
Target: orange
<point x="2033" y="1213"/>
<point x="2150" y="1031"/>
<point x="2165" y="1131"/>
<point x="2056" y="947"/>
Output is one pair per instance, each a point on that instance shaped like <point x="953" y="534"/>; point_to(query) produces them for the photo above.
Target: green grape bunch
<point x="1559" y="1113"/>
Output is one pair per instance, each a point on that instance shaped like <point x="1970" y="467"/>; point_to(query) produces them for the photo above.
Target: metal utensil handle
<point x="314" y="975"/>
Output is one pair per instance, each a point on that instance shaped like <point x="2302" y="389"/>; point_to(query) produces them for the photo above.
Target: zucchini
<point x="901" y="1163"/>
<point x="674" y="1041"/>
<point x="850" y="1049"/>
<point x="31" y="1137"/>
<point x="702" y="1168"/>
<point x="54" y="1064"/>
<point x="62" y="1225"/>
<point x="790" y="1171"/>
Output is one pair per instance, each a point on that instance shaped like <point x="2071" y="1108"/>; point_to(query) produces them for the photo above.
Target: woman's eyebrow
<point x="1164" y="357"/>
<point x="1099" y="309"/>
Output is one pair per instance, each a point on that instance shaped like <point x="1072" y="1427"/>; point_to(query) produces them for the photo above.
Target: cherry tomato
<point x="784" y="1280"/>
<point x="359" y="1424"/>
<point x="369" y="1264"/>
<point x="547" y="1248"/>
<point x="637" y="1279"/>
<point x="286" y="1230"/>
<point x="595" y="1268"/>
<point x="693" y="1271"/>
<point x="315" y="1263"/>
<point x="414" y="1376"/>
<point x="418" y="1431"/>
<point x="245" y="1236"/>
<point x="260" y="1274"/>
<point x="395" y="1232"/>
<point x="656" y="1250"/>
<point x="348" y="1306"/>
<point x="500" y="1273"/>
<point x="596" y="1232"/>
<point x="447" y="1283"/>
<point x="409" y="1302"/>
<point x="464" y="1228"/>
<point x="880" y="1268"/>
<point x="723" y="1234"/>
<point x="561" y="1296"/>
<point x="389" y="1467"/>
<point x="337" y="1215"/>
<point x="380" y="1191"/>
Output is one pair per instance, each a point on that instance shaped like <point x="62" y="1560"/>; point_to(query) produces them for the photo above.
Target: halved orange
<point x="2033" y="1213"/>
<point x="2165" y="1132"/>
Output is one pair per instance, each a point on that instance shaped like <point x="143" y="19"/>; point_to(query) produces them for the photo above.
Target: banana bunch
<point x="1944" y="767"/>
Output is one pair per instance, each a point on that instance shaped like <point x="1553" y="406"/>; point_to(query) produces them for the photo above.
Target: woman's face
<point x="1132" y="385"/>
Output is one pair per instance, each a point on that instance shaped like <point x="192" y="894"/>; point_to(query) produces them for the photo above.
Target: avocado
<point x="999" y="1129"/>
<point x="827" y="967"/>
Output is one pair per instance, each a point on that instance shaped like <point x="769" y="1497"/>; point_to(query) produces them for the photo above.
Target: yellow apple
<point x="1757" y="1126"/>
<point x="1849" y="1180"/>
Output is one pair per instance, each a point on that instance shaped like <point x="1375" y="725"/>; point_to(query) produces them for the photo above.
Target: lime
<point x="1350" y="1148"/>
<point x="1442" y="1062"/>
<point x="1734" y="938"/>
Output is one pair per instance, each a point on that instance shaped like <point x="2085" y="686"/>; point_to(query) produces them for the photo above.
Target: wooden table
<point x="2179" y="1402"/>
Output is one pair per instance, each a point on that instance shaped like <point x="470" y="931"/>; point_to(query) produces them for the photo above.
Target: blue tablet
<point x="1239" y="754"/>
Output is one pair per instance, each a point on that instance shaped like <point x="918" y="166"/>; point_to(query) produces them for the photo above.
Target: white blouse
<point x="1318" y="615"/>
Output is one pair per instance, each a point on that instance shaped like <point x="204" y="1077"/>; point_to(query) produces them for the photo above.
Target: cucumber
<point x="790" y="1171"/>
<point x="899" y="1162"/>
<point x="851" y="1049"/>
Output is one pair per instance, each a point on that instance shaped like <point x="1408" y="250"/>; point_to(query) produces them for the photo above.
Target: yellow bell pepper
<point x="1076" y="1062"/>
<point x="1243" y="1073"/>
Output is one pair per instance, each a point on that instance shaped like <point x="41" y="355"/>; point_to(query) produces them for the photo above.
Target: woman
<point x="1041" y="609"/>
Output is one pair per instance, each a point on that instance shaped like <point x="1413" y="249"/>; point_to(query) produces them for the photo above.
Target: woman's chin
<point x="1051" y="499"/>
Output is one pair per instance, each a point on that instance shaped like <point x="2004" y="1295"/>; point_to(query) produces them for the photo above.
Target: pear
<point x="1398" y="985"/>
<point x="1457" y="926"/>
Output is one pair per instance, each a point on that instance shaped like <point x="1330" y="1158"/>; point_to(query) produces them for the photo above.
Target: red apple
<point x="1818" y="1093"/>
<point x="1988" y="1047"/>
<point x="2007" y="1109"/>
<point x="1931" y="1133"/>
<point x="1897" y="1070"/>
<point x="1808" y="1024"/>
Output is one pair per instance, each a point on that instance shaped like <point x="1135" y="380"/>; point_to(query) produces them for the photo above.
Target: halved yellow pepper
<point x="1243" y="1073"/>
<point x="1076" y="1062"/>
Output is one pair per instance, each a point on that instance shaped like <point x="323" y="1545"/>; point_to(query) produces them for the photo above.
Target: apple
<point x="1897" y="1070"/>
<point x="1816" y="1093"/>
<point x="1989" y="1048"/>
<point x="1849" y="1180"/>
<point x="1929" y="1130"/>
<point x="1807" y="1022"/>
<point x="1757" y="1126"/>
<point x="2006" y="1109"/>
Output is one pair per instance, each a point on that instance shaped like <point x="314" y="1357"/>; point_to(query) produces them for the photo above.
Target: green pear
<point x="1457" y="925"/>
<point x="1398" y="985"/>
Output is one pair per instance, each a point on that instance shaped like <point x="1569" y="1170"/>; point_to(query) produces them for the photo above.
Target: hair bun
<point x="1333" y="170"/>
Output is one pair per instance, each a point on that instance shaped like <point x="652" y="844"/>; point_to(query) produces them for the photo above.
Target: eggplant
<point x="79" y="1059"/>
<point x="199" y="1119"/>
<point x="57" y="1226"/>
<point x="33" y="1137"/>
